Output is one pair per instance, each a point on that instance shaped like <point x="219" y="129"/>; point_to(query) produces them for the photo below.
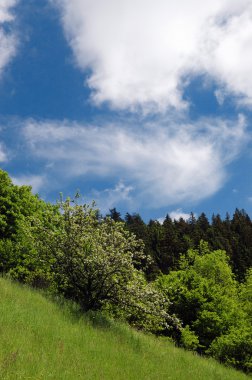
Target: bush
<point x="234" y="348"/>
<point x="203" y="294"/>
<point x="189" y="339"/>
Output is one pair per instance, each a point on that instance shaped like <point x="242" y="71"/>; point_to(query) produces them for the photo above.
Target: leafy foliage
<point x="94" y="262"/>
<point x="18" y="208"/>
<point x="167" y="241"/>
<point x="152" y="275"/>
<point x="204" y="295"/>
<point x="234" y="348"/>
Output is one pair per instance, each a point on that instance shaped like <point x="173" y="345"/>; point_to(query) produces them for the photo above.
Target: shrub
<point x="94" y="262"/>
<point x="189" y="339"/>
<point x="234" y="348"/>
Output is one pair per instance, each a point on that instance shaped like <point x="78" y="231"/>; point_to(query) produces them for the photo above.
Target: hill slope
<point x="42" y="340"/>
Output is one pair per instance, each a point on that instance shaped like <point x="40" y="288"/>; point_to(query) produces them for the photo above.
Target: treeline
<point x="166" y="242"/>
<point x="178" y="279"/>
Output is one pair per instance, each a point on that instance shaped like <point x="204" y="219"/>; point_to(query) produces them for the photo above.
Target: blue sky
<point x="141" y="105"/>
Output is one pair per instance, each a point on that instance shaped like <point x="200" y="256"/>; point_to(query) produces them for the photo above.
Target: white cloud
<point x="177" y="214"/>
<point x="164" y="162"/>
<point x="8" y="41"/>
<point x="113" y="197"/>
<point x="3" y="153"/>
<point x="5" y="14"/>
<point x="141" y="53"/>
<point x="227" y="50"/>
<point x="37" y="182"/>
<point x="160" y="220"/>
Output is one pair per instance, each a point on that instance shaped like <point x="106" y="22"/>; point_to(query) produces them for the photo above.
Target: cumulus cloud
<point x="158" y="164"/>
<point x="8" y="40"/>
<point x="142" y="53"/>
<point x="177" y="214"/>
<point x="227" y="50"/>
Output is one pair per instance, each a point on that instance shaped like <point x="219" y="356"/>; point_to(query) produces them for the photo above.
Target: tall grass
<point x="39" y="339"/>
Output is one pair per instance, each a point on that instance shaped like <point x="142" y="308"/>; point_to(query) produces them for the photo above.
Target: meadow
<point x="45" y="339"/>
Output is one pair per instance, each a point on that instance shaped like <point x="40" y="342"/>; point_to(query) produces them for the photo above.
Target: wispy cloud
<point x="143" y="53"/>
<point x="3" y="153"/>
<point x="113" y="197"/>
<point x="8" y="40"/>
<point x="37" y="182"/>
<point x="158" y="164"/>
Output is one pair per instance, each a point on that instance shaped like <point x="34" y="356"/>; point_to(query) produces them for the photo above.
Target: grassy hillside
<point x="42" y="340"/>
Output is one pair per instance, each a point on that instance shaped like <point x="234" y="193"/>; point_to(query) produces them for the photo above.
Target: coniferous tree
<point x="169" y="246"/>
<point x="115" y="215"/>
<point x="241" y="227"/>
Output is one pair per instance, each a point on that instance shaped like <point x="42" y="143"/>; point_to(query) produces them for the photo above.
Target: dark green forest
<point x="166" y="242"/>
<point x="190" y="280"/>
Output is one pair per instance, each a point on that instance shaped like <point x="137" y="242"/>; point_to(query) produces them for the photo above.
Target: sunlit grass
<point x="39" y="339"/>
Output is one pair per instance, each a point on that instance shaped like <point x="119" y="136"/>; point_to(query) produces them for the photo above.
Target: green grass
<point x="40" y="339"/>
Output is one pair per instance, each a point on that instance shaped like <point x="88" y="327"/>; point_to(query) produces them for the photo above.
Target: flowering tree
<point x="94" y="262"/>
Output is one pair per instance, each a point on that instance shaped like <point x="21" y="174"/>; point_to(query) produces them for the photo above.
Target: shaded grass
<point x="40" y="339"/>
